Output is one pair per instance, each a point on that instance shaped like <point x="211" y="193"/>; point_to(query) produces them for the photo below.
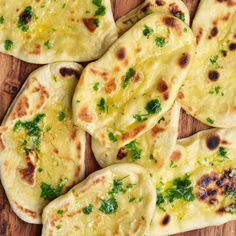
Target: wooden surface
<point x="13" y="73"/>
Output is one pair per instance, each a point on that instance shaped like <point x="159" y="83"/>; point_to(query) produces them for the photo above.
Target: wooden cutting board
<point x="13" y="72"/>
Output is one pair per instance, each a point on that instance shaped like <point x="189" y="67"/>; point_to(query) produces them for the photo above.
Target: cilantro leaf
<point x="108" y="206"/>
<point x="135" y="151"/>
<point x="153" y="107"/>
<point x="87" y="210"/>
<point x="160" y="42"/>
<point x="148" y="31"/>
<point x="129" y="75"/>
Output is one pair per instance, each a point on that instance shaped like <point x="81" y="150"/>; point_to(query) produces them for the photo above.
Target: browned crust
<point x="85" y="116"/>
<point x="21" y="108"/>
<point x="133" y="133"/>
<point x="26" y="211"/>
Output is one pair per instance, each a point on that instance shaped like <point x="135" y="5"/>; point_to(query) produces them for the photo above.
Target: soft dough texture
<point x="198" y="189"/>
<point x="51" y="31"/>
<point x="41" y="151"/>
<point x="208" y="93"/>
<point x="175" y="7"/>
<point x="118" y="200"/>
<point x="121" y="104"/>
<point x="150" y="150"/>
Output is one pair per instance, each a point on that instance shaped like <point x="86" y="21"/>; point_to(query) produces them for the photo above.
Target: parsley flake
<point x="87" y="210"/>
<point x="129" y="75"/>
<point x="112" y="137"/>
<point x="8" y="44"/>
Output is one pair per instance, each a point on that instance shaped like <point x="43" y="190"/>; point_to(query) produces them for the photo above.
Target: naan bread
<point x="41" y="151"/>
<point x="174" y="7"/>
<point x="113" y="101"/>
<point x="51" y="31"/>
<point x="150" y="150"/>
<point x="208" y="93"/>
<point x="118" y="200"/>
<point x="198" y="189"/>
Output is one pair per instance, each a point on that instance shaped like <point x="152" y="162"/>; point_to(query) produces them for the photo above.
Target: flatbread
<point x="41" y="151"/>
<point x="208" y="93"/>
<point x="51" y="31"/>
<point x="150" y="150"/>
<point x="113" y="101"/>
<point x="176" y="8"/>
<point x="198" y="190"/>
<point x="117" y="200"/>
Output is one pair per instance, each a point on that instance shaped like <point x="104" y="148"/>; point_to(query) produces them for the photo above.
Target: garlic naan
<point x="41" y="151"/>
<point x="118" y="200"/>
<point x="208" y="93"/>
<point x="198" y="189"/>
<point x="174" y="7"/>
<point x="150" y="150"/>
<point x="51" y="31"/>
<point x="123" y="94"/>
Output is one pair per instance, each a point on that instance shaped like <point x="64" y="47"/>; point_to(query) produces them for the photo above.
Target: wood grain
<point x="13" y="72"/>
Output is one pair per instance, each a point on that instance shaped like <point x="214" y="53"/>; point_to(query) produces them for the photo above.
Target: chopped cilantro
<point x="153" y="107"/>
<point x="224" y="52"/>
<point x="140" y="118"/>
<point x="98" y="3"/>
<point x="160" y="198"/>
<point x="172" y="164"/>
<point x="185" y="30"/>
<point x="129" y="186"/>
<point x="40" y="169"/>
<point x="87" y="210"/>
<point x="210" y="121"/>
<point x="50" y="193"/>
<point x="214" y="61"/>
<point x="102" y="105"/>
<point x="61" y="116"/>
<point x="112" y="137"/>
<point x="182" y="189"/>
<point x="8" y="44"/>
<point x="32" y="130"/>
<point x="48" y="45"/>
<point x="1" y="19"/>
<point x="129" y="75"/>
<point x="222" y="154"/>
<point x="117" y="187"/>
<point x="217" y="90"/>
<point x="64" y="5"/>
<point x="60" y="212"/>
<point x="148" y="31"/>
<point x="96" y="86"/>
<point x="135" y="151"/>
<point x="108" y="206"/>
<point x="160" y="42"/>
<point x="101" y="11"/>
<point x="96" y="22"/>
<point x="132" y="199"/>
<point x="58" y="227"/>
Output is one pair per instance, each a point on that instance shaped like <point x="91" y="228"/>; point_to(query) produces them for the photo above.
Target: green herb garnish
<point x="182" y="189"/>
<point x="160" y="42"/>
<point x="153" y="107"/>
<point x="102" y="105"/>
<point x="50" y="193"/>
<point x="48" y="45"/>
<point x="117" y="187"/>
<point x="8" y="44"/>
<point x="210" y="121"/>
<point x="135" y="151"/>
<point x="112" y="137"/>
<point x="87" y="210"/>
<point x="61" y="116"/>
<point x="1" y="19"/>
<point x="96" y="86"/>
<point x="148" y="31"/>
<point x="108" y="206"/>
<point x="32" y="130"/>
<point x="129" y="75"/>
<point x="101" y="11"/>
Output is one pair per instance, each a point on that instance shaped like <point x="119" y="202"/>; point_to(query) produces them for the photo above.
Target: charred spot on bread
<point x="121" y="53"/>
<point x="213" y="141"/>
<point x="66" y="72"/>
<point x="213" y="75"/>
<point x="184" y="60"/>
